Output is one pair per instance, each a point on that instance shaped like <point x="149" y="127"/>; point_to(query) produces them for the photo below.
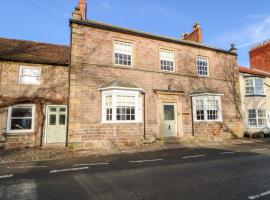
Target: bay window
<point x="207" y="108"/>
<point x="121" y="106"/>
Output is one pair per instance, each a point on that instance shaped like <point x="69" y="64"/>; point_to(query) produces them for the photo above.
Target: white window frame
<point x="127" y="53"/>
<point x="114" y="93"/>
<point x="207" y="59"/>
<point x="29" y="67"/>
<point x="254" y="86"/>
<point x="24" y="130"/>
<point x="161" y="50"/>
<point x="204" y="98"/>
<point x="257" y="118"/>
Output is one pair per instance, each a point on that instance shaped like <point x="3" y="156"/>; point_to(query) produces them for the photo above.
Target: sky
<point x="242" y="22"/>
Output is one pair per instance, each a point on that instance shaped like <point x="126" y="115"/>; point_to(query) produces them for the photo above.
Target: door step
<point x="55" y="145"/>
<point x="171" y="140"/>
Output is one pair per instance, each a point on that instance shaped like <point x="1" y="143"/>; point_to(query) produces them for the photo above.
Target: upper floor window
<point x="207" y="108"/>
<point x="202" y="66"/>
<point x="21" y="118"/>
<point x="123" y="53"/>
<point x="167" y="58"/>
<point x="254" y="86"/>
<point x="29" y="75"/>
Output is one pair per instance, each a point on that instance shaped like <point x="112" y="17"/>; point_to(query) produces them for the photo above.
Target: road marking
<point x="196" y="156"/>
<point x="6" y="176"/>
<point x="68" y="170"/>
<point x="26" y="167"/>
<point x="257" y="196"/>
<point x="142" y="161"/>
<point x="263" y="149"/>
<point x="90" y="164"/>
<point x="228" y="152"/>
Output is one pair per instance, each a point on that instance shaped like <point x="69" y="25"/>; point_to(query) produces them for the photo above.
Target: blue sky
<point x="243" y="22"/>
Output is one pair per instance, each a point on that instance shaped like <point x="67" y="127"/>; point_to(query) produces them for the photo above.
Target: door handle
<point x="169" y="127"/>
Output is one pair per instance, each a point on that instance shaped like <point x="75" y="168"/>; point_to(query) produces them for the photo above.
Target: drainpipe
<point x="69" y="71"/>
<point x="192" y="121"/>
<point x="144" y="121"/>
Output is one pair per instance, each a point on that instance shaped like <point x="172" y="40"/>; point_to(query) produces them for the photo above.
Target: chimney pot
<point x="83" y="8"/>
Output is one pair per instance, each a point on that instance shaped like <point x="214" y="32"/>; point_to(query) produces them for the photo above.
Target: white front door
<point x="170" y="119"/>
<point x="56" y="124"/>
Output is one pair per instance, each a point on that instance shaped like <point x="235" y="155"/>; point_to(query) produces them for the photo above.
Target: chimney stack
<point x="83" y="8"/>
<point x="195" y="35"/>
<point x="80" y="10"/>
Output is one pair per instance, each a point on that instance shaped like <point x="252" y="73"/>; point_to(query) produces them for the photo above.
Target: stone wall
<point x="54" y="85"/>
<point x="93" y="66"/>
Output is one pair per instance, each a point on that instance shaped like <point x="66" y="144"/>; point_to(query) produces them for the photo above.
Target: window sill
<point x="167" y="72"/>
<point x="209" y="121"/>
<point x="122" y="122"/>
<point x="255" y="95"/>
<point x="203" y="76"/>
<point x="123" y="66"/>
<point x="18" y="133"/>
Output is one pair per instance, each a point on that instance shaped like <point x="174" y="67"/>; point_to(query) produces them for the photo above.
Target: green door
<point x="56" y="124"/>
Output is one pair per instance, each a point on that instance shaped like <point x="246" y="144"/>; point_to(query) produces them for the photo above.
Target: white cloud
<point x="255" y="30"/>
<point x="105" y="5"/>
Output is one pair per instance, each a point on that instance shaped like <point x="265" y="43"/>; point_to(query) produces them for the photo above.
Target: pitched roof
<point x="204" y="90"/>
<point x="252" y="71"/>
<point x="110" y="27"/>
<point x="33" y="52"/>
<point x="119" y="83"/>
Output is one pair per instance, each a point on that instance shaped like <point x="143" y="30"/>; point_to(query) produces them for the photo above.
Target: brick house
<point x="260" y="57"/>
<point x="33" y="90"/>
<point x="128" y="86"/>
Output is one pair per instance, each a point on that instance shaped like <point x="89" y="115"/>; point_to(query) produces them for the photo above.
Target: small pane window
<point x="52" y="109"/>
<point x="125" y="108"/>
<point x="123" y="53"/>
<point x="29" y="75"/>
<point x="62" y="109"/>
<point x="167" y="60"/>
<point x="20" y="118"/>
<point x="199" y="110"/>
<point x="109" y="108"/>
<point x="202" y="66"/>
<point x="169" y="112"/>
<point x="62" y="119"/>
<point x="52" y="119"/>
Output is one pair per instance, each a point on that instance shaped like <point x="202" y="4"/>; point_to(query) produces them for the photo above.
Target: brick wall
<point x="92" y="67"/>
<point x="54" y="83"/>
<point x="260" y="57"/>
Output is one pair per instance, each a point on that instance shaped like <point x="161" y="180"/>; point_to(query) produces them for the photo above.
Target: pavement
<point x="218" y="172"/>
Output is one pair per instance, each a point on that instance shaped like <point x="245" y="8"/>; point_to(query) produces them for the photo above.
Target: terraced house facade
<point x="115" y="87"/>
<point x="128" y="87"/>
<point x="33" y="93"/>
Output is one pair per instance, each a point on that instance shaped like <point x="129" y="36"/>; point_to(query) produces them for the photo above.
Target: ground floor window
<point x="206" y="108"/>
<point x="121" y="106"/>
<point x="256" y="118"/>
<point x="21" y="118"/>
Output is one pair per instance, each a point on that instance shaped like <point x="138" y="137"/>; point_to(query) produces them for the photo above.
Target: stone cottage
<point x="33" y="93"/>
<point x="128" y="87"/>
